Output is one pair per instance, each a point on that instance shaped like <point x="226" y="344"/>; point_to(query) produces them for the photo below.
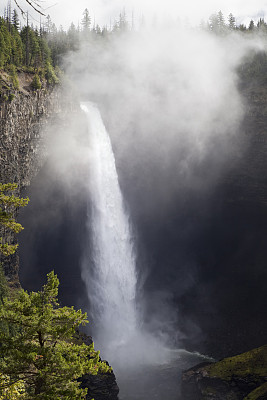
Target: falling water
<point x="111" y="283"/>
<point x="110" y="277"/>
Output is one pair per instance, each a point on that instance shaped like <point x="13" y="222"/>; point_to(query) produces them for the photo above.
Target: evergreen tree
<point x="48" y="25"/>
<point x="73" y="38"/>
<point x="15" y="20"/>
<point x="231" y="22"/>
<point x="214" y="23"/>
<point x="36" y="82"/>
<point x="251" y="25"/>
<point x="5" y="44"/>
<point x="242" y="28"/>
<point x="42" y="351"/>
<point x="217" y="23"/>
<point x="261" y="25"/>
<point x="86" y="21"/>
<point x="8" y="205"/>
<point x="221" y="23"/>
<point x="123" y="23"/>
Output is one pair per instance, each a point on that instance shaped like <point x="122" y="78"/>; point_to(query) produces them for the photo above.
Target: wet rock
<point x="101" y="386"/>
<point x="234" y="378"/>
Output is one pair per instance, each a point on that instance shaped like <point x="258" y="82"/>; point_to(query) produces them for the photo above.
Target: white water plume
<point x="112" y="282"/>
<point x="110" y="271"/>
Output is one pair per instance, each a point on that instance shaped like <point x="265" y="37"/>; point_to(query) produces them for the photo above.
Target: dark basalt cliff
<point x="101" y="386"/>
<point x="239" y="294"/>
<point x="22" y="119"/>
<point x="230" y="291"/>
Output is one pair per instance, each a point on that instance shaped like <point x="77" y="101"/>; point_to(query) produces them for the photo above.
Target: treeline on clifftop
<point x="25" y="50"/>
<point x="41" y="50"/>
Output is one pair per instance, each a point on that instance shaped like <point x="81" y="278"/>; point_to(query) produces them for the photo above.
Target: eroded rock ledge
<point x="243" y="377"/>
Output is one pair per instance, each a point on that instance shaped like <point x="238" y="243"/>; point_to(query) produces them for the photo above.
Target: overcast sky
<point x="63" y="12"/>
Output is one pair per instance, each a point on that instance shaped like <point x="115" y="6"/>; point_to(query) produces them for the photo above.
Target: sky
<point x="63" y="12"/>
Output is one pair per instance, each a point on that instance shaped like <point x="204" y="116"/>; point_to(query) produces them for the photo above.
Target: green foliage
<point x="8" y="205"/>
<point x="15" y="20"/>
<point x="4" y="290"/>
<point x="253" y="362"/>
<point x="259" y="393"/>
<point x="36" y="82"/>
<point x="11" y="97"/>
<point x="14" y="76"/>
<point x="50" y="74"/>
<point x="15" y="391"/>
<point x="41" y="352"/>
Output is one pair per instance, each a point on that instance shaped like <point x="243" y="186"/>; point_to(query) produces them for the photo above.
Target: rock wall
<point x="22" y="130"/>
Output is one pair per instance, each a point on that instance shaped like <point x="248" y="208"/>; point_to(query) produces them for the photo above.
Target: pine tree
<point x="221" y="23"/>
<point x="214" y="23"/>
<point x="261" y="25"/>
<point x="251" y="25"/>
<point x="86" y="21"/>
<point x="231" y="22"/>
<point x="8" y="205"/>
<point x="48" y="24"/>
<point x="42" y="351"/>
<point x="15" y="20"/>
<point x="73" y="37"/>
<point x="123" y="23"/>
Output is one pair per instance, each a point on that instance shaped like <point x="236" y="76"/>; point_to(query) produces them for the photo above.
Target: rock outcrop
<point x="24" y="114"/>
<point x="243" y="377"/>
<point x="101" y="386"/>
<point x="21" y="122"/>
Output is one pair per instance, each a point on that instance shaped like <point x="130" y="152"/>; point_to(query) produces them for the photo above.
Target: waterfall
<point x="109" y="272"/>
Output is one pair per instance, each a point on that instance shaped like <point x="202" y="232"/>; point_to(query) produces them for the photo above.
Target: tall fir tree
<point x="42" y="352"/>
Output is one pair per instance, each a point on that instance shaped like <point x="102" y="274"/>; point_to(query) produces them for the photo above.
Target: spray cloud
<point x="170" y="101"/>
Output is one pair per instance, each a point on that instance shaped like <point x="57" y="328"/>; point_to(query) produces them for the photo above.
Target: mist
<point x="170" y="101"/>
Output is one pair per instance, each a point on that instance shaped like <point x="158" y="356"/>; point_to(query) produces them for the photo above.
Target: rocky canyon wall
<point x="24" y="115"/>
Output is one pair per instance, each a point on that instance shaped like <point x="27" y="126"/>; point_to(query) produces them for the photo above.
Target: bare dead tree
<point x="35" y="4"/>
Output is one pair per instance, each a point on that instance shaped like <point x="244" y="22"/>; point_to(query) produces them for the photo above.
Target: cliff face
<point x="22" y="120"/>
<point x="24" y="115"/>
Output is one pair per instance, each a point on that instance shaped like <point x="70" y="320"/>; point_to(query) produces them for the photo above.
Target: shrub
<point x="36" y="82"/>
<point x="50" y="74"/>
<point x="14" y="76"/>
<point x="11" y="97"/>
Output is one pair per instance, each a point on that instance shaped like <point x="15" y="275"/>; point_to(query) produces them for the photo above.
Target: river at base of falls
<point x="159" y="381"/>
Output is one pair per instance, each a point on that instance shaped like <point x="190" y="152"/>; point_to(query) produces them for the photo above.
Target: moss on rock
<point x="258" y="394"/>
<point x="243" y="377"/>
<point x="253" y="362"/>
